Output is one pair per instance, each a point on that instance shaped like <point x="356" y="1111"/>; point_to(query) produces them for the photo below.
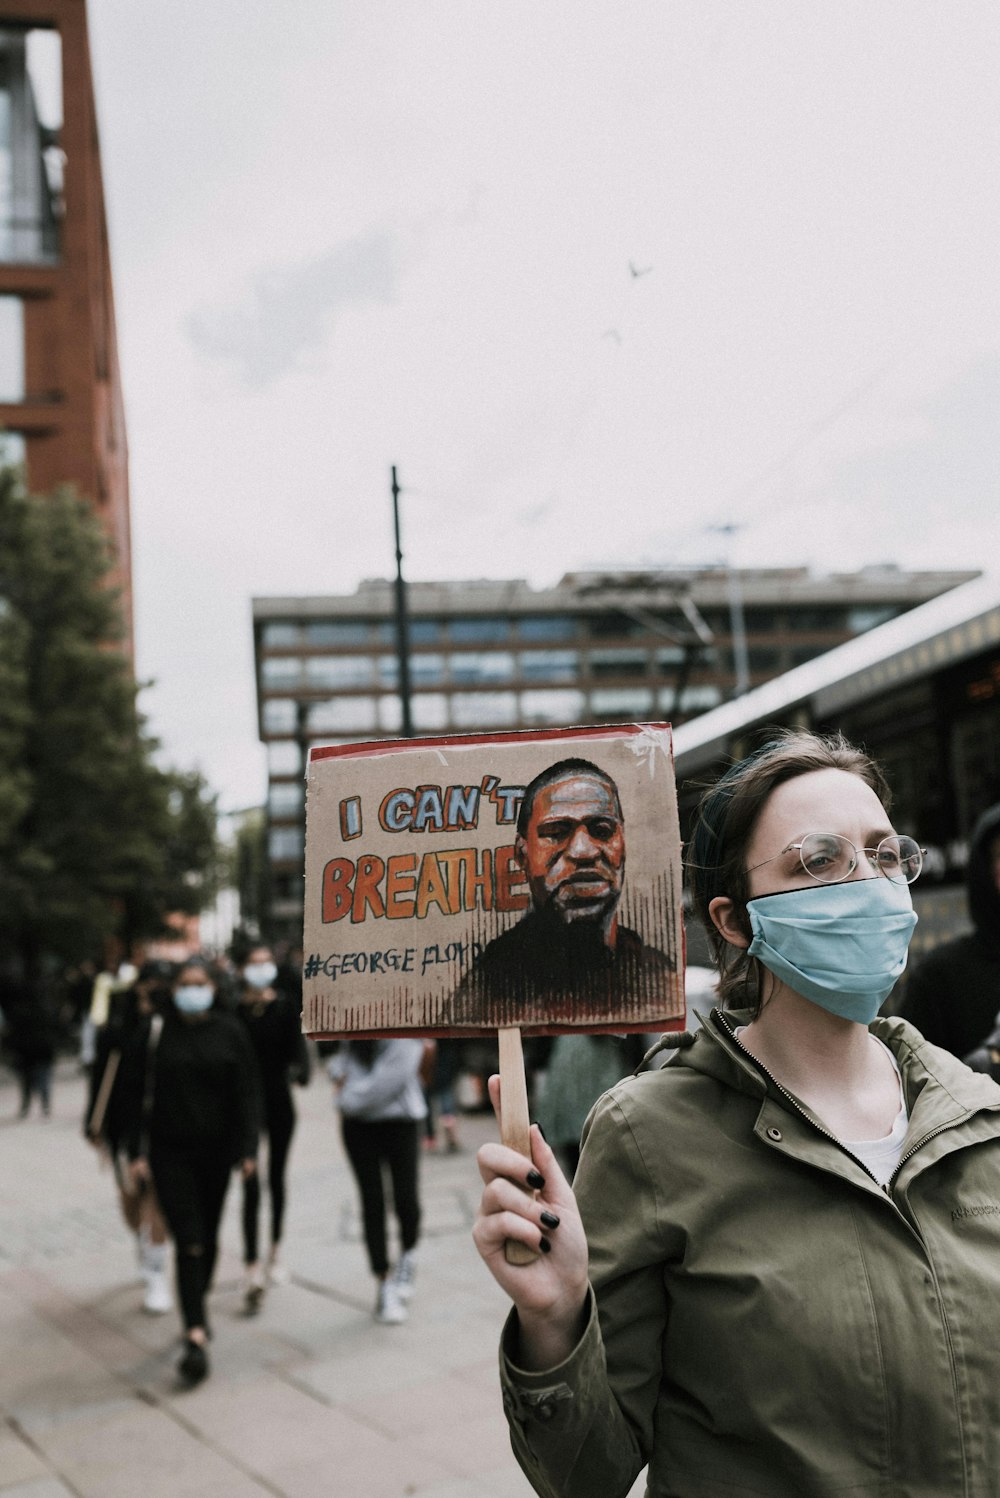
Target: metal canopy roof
<point x="948" y="629"/>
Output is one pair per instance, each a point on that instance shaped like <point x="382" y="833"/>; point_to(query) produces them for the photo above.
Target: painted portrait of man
<point x="571" y="943"/>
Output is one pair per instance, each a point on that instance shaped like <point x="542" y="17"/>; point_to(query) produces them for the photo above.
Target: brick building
<point x="61" y="408"/>
<point x="596" y="648"/>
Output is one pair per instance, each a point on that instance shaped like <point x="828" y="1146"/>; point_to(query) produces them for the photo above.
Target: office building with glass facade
<point x="499" y="655"/>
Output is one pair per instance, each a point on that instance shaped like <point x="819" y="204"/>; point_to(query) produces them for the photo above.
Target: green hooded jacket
<point x="765" y="1318"/>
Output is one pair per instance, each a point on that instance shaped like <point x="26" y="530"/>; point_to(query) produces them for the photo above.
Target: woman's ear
<point x="723" y="913"/>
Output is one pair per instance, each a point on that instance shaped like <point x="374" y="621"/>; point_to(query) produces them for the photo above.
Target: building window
<point x="342" y="715"/>
<point x="764" y="658"/>
<point x="286" y="799"/>
<point x="484" y="709"/>
<point x="474" y="666"/>
<point x="426" y="670"/>
<point x="284" y="757"/>
<point x="802" y="653"/>
<point x="430" y="711"/>
<point x="552" y="707"/>
<point x="696" y="699"/>
<point x="550" y="665"/>
<point x="544" y="629"/>
<point x="31" y="161"/>
<point x="477" y="631"/>
<point x="279" y="715"/>
<point x="763" y="621"/>
<point x="11" y="349"/>
<point x="280" y="671"/>
<point x="285" y="842"/>
<point x="630" y="701"/>
<point x="390" y="714"/>
<point x="816" y="618"/>
<point x="423" y="631"/>
<point x="339" y="670"/>
<point x="388" y="671"/>
<point x="860" y="619"/>
<point x="605" y="663"/>
<point x="12" y="449"/>
<point x="288" y="887"/>
<point x="279" y="635"/>
<point x="670" y="655"/>
<point x="613" y="623"/>
<point x="338" y="632"/>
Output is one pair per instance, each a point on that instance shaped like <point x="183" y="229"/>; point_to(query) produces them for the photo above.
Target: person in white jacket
<point x="381" y="1106"/>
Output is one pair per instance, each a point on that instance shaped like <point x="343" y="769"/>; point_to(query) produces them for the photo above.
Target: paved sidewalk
<point x="309" y="1398"/>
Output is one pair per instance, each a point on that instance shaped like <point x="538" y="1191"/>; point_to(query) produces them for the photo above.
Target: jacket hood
<point x="984" y="898"/>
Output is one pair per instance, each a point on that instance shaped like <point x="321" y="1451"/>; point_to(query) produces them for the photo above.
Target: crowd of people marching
<point x="192" y="1069"/>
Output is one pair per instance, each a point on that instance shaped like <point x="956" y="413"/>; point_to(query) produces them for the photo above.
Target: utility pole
<point x="402" y="640"/>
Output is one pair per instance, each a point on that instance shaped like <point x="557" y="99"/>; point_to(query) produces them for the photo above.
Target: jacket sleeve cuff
<point x="564" y="1421"/>
<point x="551" y="1398"/>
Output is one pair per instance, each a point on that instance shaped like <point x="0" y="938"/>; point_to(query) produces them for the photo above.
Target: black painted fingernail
<point x="545" y="1246"/>
<point x="535" y="1180"/>
<point x="549" y="1220"/>
<point x="540" y="1130"/>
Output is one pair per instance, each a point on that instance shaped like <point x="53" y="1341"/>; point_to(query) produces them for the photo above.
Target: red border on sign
<point x="393" y="746"/>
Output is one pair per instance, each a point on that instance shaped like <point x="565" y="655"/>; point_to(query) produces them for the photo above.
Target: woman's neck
<point x="802" y="1044"/>
<point x="833" y="1065"/>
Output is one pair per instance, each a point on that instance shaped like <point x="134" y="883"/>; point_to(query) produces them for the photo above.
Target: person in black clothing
<point x="272" y="1023"/>
<point x="289" y="980"/>
<point x="570" y="948"/>
<point x="30" y="1040"/>
<point x="953" y="996"/>
<point x="194" y="1117"/>
<point x="119" y="1054"/>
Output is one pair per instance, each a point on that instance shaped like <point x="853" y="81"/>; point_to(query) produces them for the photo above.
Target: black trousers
<point x="279" y="1126"/>
<point x="191" y="1185"/>
<point x="393" y="1145"/>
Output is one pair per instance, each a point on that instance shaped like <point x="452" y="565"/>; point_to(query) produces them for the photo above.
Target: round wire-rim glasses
<point x="830" y="858"/>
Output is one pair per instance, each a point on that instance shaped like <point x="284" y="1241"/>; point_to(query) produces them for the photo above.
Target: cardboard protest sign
<point x="459" y="886"/>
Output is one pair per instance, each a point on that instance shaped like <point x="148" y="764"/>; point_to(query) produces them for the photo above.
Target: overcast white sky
<point x="351" y="233"/>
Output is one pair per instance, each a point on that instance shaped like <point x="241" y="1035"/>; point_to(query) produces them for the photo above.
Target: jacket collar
<point x="940" y="1090"/>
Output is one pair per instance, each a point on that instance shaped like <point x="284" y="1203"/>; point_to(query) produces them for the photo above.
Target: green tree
<point x="95" y="839"/>
<point x="249" y="875"/>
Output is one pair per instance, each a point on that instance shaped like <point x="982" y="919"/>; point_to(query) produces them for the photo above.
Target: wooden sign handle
<point x="95" y="1123"/>
<point x="515" y="1123"/>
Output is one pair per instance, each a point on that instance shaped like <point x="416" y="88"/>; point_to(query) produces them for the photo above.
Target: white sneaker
<point x="142" y="1247"/>
<point x="277" y="1273"/>
<point x="157" y="1299"/>
<point x="405" y="1274"/>
<point x="389" y="1309"/>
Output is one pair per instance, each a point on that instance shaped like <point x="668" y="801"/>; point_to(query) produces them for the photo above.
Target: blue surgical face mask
<point x="841" y="945"/>
<point x="260" y="974"/>
<point x="194" y="998"/>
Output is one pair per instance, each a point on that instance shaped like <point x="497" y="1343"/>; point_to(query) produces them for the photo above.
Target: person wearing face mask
<point x="275" y="1033"/>
<point x="193" y="1118"/>
<point x="778" y="1271"/>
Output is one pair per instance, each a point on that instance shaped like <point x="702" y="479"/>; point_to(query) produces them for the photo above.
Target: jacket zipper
<point x="941" y="1129"/>
<point x="798" y="1108"/>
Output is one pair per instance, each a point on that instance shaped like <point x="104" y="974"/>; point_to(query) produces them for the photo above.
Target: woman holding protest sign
<point x="779" y="1273"/>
